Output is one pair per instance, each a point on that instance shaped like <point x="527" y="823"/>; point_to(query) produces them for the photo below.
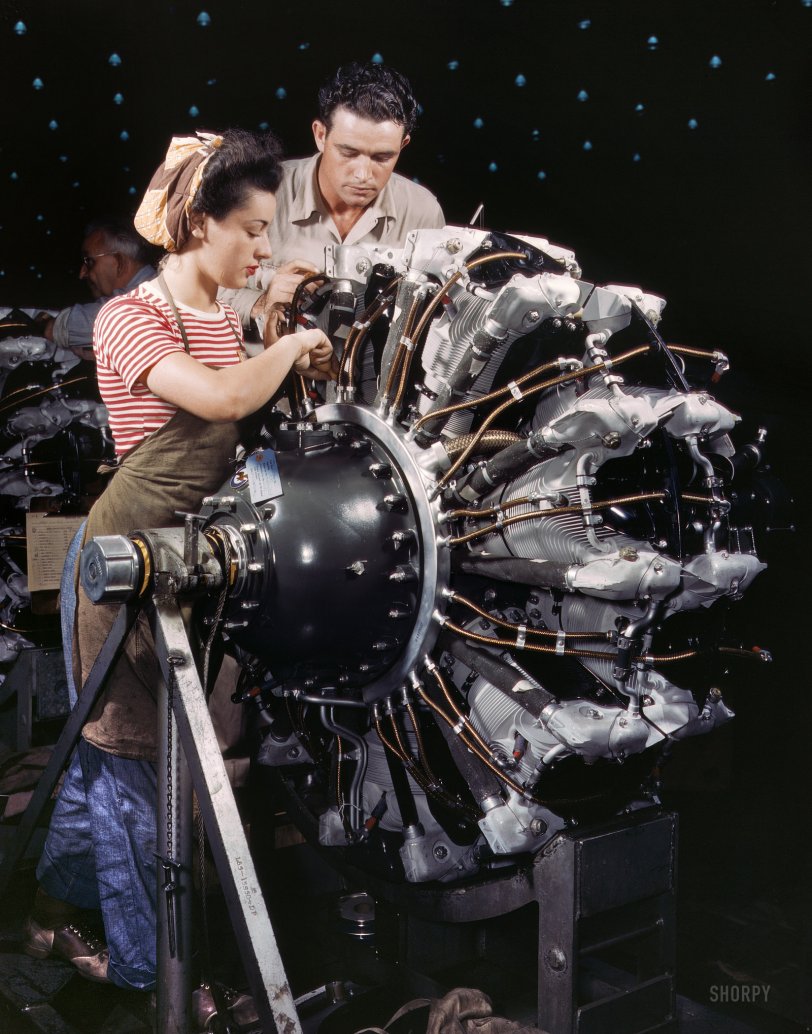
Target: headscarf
<point x="163" y="215"/>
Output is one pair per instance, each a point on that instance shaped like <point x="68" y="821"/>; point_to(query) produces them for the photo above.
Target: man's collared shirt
<point x="302" y="227"/>
<point x="73" y="327"/>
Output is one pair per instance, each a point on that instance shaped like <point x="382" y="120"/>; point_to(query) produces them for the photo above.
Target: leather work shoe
<point x="241" y="1009"/>
<point x="70" y="943"/>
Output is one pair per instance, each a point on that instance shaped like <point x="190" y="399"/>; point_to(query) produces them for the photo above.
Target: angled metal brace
<point x="235" y="867"/>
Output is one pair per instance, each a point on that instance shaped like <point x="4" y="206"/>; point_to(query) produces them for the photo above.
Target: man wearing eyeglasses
<point x="115" y="260"/>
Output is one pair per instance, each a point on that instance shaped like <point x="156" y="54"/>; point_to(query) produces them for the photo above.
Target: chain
<point x="170" y="768"/>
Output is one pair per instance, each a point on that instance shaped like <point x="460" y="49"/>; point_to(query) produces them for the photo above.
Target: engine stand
<point x="191" y="726"/>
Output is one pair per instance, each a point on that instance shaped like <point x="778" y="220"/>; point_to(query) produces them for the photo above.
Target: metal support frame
<point x="606" y="886"/>
<point x="192" y="731"/>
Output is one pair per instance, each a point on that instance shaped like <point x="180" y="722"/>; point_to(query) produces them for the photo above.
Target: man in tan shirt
<point x="348" y="192"/>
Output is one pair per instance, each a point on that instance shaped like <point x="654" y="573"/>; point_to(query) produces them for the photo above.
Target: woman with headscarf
<point x="174" y="377"/>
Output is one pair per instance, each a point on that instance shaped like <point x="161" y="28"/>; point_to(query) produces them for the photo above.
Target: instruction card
<point x="263" y="476"/>
<point x="48" y="538"/>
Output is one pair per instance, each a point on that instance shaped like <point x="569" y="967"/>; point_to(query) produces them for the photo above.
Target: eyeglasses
<point x="89" y="261"/>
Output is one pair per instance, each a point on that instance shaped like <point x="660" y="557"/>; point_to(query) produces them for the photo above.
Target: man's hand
<point x="279" y="295"/>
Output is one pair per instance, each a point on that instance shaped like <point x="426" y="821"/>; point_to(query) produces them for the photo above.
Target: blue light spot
<point x="420" y="109"/>
<point x="21" y="28"/>
<point x="114" y="60"/>
<point x="75" y="184"/>
<point x="33" y="269"/>
<point x="14" y="176"/>
<point x="635" y="157"/>
<point x="453" y="66"/>
<point x="211" y="82"/>
<point x="304" y="46"/>
<point x="639" y="108"/>
<point x="132" y="190"/>
<point x="506" y="3"/>
<point x="39" y="276"/>
<point x="264" y="125"/>
<point x="204" y="19"/>
<point x="715" y="61"/>
<point x="38" y="83"/>
<point x="652" y="43"/>
<point x="769" y="77"/>
<point x="582" y="95"/>
<point x="281" y="93"/>
<point x="124" y="135"/>
<point x="63" y="157"/>
<point x="40" y="218"/>
<point x="692" y="123"/>
<point x="194" y="111"/>
<point x="118" y="98"/>
<point x="493" y="167"/>
<point x="53" y="124"/>
<point x="377" y="59"/>
<point x="520" y="80"/>
<point x="807" y="3"/>
<point x="587" y="145"/>
<point x="478" y="123"/>
<point x="541" y="175"/>
<point x="535" y="134"/>
<point x="584" y="24"/>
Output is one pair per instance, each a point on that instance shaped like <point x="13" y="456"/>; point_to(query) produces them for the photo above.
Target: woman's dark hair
<point x="372" y="91"/>
<point x="245" y="161"/>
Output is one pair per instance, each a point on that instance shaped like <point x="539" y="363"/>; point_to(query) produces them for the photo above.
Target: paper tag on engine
<point x="263" y="476"/>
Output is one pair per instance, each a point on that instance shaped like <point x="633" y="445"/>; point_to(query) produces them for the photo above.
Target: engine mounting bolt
<point x="538" y="827"/>
<point x="658" y="568"/>
<point x="611" y="439"/>
<point x="556" y="324"/>
<point x="403" y="573"/>
<point x="362" y="266"/>
<point x="395" y="501"/>
<point x="453" y="245"/>
<point x="380" y="470"/>
<point x="490" y="595"/>
<point x="533" y="598"/>
<point x="293" y="753"/>
<point x="532" y="316"/>
<point x="714" y="693"/>
<point x="628" y="553"/>
<point x="357" y="567"/>
<point x="534" y="614"/>
<point x="556" y="959"/>
<point x="440" y="852"/>
<point x="400" y="538"/>
<point x="661" y="543"/>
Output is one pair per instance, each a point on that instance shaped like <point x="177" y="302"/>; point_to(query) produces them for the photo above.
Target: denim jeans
<point x="100" y="853"/>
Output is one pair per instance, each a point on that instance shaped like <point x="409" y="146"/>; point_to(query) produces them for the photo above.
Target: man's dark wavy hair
<point x="371" y="91"/>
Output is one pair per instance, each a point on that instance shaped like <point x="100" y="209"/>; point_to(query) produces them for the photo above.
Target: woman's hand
<point x="316" y="360"/>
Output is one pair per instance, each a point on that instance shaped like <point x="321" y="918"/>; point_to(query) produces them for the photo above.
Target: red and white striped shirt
<point x="134" y="332"/>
